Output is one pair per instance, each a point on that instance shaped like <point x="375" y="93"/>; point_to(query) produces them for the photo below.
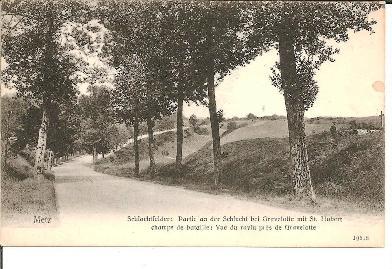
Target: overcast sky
<point x="353" y="85"/>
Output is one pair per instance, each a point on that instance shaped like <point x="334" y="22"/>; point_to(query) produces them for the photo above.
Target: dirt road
<point x="94" y="209"/>
<point x="80" y="189"/>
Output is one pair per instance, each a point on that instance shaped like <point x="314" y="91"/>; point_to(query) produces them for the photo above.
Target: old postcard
<point x="192" y="123"/>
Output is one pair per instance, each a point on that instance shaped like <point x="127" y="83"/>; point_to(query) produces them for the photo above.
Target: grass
<point x="273" y="129"/>
<point x="23" y="196"/>
<point x="349" y="179"/>
<point x="121" y="162"/>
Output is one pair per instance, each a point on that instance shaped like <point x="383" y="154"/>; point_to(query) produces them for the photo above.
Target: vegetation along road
<point x="102" y="200"/>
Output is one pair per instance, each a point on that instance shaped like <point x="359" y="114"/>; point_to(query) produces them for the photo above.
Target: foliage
<point x="193" y="121"/>
<point x="98" y="125"/>
<point x="251" y="116"/>
<point x="41" y="71"/>
<point x="12" y="111"/>
<point x="231" y="126"/>
<point x="315" y="28"/>
<point x="166" y="123"/>
<point x="31" y="50"/>
<point x="64" y="123"/>
<point x="220" y="116"/>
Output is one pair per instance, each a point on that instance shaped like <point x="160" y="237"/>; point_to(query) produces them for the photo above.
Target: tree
<point x="226" y="28"/>
<point x="193" y="121"/>
<point x="220" y="116"/>
<point x="65" y="124"/>
<point x="98" y="126"/>
<point x="251" y="116"/>
<point x="137" y="36"/>
<point x="302" y="32"/>
<point x="231" y="126"/>
<point x="183" y="60"/>
<point x="12" y="111"/>
<point x="156" y="105"/>
<point x="121" y="134"/>
<point x="35" y="66"/>
<point x="126" y="97"/>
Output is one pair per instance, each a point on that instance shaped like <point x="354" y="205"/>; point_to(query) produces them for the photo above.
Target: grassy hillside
<point x="371" y="121"/>
<point x="275" y="129"/>
<point x="354" y="173"/>
<point x="22" y="196"/>
<point x="121" y="162"/>
<point x="255" y="163"/>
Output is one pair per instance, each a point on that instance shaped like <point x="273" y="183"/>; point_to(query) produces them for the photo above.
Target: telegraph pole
<point x="382" y="119"/>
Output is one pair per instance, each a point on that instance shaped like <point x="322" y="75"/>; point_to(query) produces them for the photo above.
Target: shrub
<point x="201" y="130"/>
<point x="251" y="116"/>
<point x="231" y="126"/>
<point x="193" y="121"/>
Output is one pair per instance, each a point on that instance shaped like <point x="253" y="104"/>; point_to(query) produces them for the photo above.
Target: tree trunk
<point x="50" y="160"/>
<point x="6" y="126"/>
<point x="212" y="106"/>
<point x="94" y="154"/>
<point x="300" y="172"/>
<point x="151" y="146"/>
<point x="136" y="143"/>
<point x="39" y="165"/>
<point x="180" y="131"/>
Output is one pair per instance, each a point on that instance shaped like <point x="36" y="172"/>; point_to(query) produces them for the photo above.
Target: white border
<point x="49" y="258"/>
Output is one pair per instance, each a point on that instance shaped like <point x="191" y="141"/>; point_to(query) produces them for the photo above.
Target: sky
<point x="353" y="85"/>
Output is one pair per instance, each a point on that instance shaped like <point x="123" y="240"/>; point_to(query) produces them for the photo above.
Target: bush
<point x="205" y="122"/>
<point x="231" y="126"/>
<point x="49" y="175"/>
<point x="274" y="117"/>
<point x="251" y="116"/>
<point x="193" y="121"/>
<point x="201" y="130"/>
<point x="187" y="133"/>
<point x="28" y="154"/>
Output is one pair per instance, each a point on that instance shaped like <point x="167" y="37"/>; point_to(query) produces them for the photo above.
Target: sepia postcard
<point x="192" y="123"/>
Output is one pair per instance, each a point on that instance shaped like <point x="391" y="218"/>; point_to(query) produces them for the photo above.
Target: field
<point x="272" y="128"/>
<point x="255" y="165"/>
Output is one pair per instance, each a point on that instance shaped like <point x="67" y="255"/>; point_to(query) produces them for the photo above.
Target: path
<point x="98" y="204"/>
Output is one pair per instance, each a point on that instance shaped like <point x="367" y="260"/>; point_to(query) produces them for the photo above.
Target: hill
<point x="274" y="129"/>
<point x="22" y="196"/>
<point x="121" y="162"/>
<point x="351" y="176"/>
<point x="255" y="163"/>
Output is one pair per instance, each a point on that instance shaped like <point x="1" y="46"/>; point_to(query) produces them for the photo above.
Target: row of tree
<point x="166" y="53"/>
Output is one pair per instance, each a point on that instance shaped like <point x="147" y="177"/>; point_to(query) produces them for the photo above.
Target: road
<point x="130" y="141"/>
<point x="97" y="205"/>
<point x="80" y="189"/>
